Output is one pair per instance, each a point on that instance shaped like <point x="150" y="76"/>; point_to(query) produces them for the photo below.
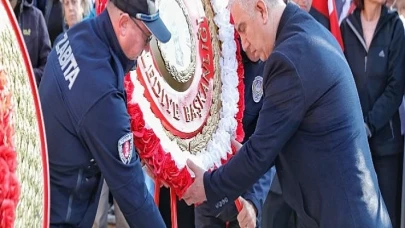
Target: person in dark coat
<point x="73" y="12"/>
<point x="253" y="199"/>
<point x="41" y="5"/>
<point x="310" y="125"/>
<point x="35" y="33"/>
<point x="54" y="19"/>
<point x="87" y="125"/>
<point x="374" y="42"/>
<point x="278" y="212"/>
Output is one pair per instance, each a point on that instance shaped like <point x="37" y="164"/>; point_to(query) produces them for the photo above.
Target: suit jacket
<point x="311" y="126"/>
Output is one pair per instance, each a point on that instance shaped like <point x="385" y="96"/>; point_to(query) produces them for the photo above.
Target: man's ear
<point x="123" y="24"/>
<point x="261" y="7"/>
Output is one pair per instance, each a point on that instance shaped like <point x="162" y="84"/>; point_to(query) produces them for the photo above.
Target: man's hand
<point x="196" y="192"/>
<point x="247" y="216"/>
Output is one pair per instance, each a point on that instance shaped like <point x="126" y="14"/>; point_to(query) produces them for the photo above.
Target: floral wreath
<point x="162" y="155"/>
<point x="9" y="185"/>
<point x="24" y="193"/>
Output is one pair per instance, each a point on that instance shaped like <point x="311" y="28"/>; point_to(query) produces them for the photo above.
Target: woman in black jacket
<point x="374" y="46"/>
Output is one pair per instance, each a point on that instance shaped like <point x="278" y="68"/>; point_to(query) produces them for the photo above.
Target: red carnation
<point x="9" y="156"/>
<point x="170" y="169"/>
<point x="137" y="121"/>
<point x="4" y="180"/>
<point x="7" y="215"/>
<point x="183" y="181"/>
<point x="14" y="188"/>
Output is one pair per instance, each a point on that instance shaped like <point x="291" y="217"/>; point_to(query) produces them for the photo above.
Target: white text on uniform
<point x="67" y="60"/>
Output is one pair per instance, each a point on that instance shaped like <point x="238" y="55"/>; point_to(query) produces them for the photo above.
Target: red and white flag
<point x="328" y="9"/>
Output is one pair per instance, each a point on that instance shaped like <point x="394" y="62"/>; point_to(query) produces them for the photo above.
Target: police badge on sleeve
<point x="125" y="148"/>
<point x="257" y="89"/>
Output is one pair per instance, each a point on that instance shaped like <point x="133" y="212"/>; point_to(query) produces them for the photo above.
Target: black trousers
<point x="205" y="219"/>
<point x="185" y="213"/>
<point x="389" y="174"/>
<point x="276" y="212"/>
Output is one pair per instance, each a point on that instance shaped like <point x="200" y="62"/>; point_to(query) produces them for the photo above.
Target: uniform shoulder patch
<point x="125" y="147"/>
<point x="257" y="89"/>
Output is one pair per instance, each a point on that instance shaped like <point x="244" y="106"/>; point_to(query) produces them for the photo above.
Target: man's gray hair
<point x="248" y="5"/>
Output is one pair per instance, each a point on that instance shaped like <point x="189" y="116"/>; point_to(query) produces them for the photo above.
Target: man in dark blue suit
<point x="253" y="199"/>
<point x="310" y="125"/>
